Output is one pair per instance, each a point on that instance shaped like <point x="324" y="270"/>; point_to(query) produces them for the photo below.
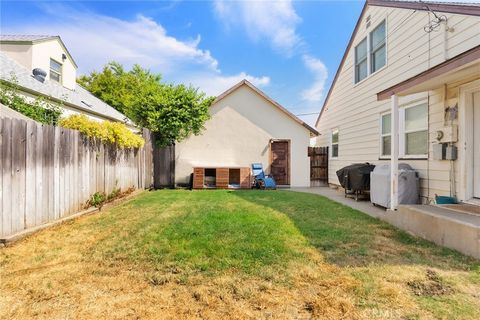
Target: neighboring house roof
<point x="32" y="39"/>
<point x="263" y="95"/>
<point x="80" y="98"/>
<point x="6" y="112"/>
<point x="455" y="8"/>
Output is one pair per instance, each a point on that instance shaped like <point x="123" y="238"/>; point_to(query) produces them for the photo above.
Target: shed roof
<point x="80" y="98"/>
<point x="245" y="82"/>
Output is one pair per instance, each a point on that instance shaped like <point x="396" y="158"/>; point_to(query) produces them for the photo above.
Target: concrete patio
<point x="444" y="226"/>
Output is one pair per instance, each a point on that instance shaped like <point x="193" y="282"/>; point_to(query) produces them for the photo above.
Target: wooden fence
<point x="318" y="166"/>
<point x="47" y="173"/>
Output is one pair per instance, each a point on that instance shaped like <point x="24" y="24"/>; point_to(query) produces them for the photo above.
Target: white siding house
<point x="244" y="125"/>
<point x="422" y="59"/>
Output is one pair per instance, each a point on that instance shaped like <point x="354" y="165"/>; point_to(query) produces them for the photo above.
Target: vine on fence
<point x="39" y="109"/>
<point x="105" y="131"/>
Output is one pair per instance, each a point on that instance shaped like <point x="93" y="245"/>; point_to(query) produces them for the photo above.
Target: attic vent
<point x="368" y="22"/>
<point x="87" y="104"/>
<point x="39" y="74"/>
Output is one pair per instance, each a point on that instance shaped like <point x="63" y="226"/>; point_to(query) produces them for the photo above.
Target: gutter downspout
<point x="394" y="156"/>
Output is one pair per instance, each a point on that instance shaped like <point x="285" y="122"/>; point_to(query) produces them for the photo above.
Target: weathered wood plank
<point x="56" y="174"/>
<point x="39" y="192"/>
<point x="6" y="171"/>
<point x="19" y="131"/>
<point x="30" y="174"/>
<point x="1" y="177"/>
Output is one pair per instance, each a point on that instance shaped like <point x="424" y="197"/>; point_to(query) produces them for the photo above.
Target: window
<point x="416" y="130"/>
<point x="55" y="71"/>
<point x="386" y="136"/>
<point x="334" y="144"/>
<point x="377" y="48"/>
<point x="361" y="64"/>
<point x="413" y="132"/>
<point x="371" y="53"/>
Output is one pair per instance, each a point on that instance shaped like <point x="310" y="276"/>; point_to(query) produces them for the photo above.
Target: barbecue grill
<point x="355" y="179"/>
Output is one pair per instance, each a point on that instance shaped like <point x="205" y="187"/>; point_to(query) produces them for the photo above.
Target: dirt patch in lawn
<point x="432" y="285"/>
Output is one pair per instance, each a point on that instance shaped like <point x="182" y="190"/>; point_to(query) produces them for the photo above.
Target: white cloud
<point x="320" y="73"/>
<point x="275" y="21"/>
<point x="95" y="39"/>
<point x="215" y="85"/>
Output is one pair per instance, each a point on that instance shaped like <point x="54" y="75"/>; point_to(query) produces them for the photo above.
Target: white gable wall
<point x="238" y="134"/>
<point x="354" y="109"/>
<point x="52" y="49"/>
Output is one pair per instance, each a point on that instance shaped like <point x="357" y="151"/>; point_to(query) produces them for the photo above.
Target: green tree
<point x="172" y="112"/>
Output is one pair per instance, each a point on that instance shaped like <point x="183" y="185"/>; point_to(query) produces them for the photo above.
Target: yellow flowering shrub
<point x="106" y="131"/>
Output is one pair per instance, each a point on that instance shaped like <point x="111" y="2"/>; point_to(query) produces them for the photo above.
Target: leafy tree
<point x="172" y="112"/>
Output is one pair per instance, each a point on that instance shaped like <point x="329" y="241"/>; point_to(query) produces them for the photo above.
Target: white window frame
<point x="334" y="130"/>
<point x="370" y="51"/>
<point x="384" y="156"/>
<point x="60" y="74"/>
<point x="366" y="59"/>
<point x="402" y="132"/>
<point x="369" y="54"/>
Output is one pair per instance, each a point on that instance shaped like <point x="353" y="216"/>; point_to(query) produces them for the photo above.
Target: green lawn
<point x="234" y="254"/>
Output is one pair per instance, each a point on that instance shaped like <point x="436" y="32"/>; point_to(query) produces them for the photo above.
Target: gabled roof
<point x="472" y="9"/>
<point x="245" y="82"/>
<point x="80" y="98"/>
<point x="32" y="39"/>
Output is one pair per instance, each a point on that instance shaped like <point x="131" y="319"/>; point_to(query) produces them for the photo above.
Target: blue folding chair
<point x="260" y="179"/>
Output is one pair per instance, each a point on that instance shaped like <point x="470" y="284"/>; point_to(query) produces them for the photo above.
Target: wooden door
<point x="280" y="162"/>
<point x="318" y="165"/>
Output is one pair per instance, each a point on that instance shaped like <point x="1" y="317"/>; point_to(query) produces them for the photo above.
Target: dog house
<point x="222" y="178"/>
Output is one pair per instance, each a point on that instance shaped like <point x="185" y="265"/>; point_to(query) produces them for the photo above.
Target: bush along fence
<point x="48" y="173"/>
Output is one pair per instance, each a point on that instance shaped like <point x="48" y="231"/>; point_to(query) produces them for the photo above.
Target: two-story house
<point x="42" y="66"/>
<point x="408" y="90"/>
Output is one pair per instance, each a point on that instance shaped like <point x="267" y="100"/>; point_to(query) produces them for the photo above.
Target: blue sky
<point x="290" y="50"/>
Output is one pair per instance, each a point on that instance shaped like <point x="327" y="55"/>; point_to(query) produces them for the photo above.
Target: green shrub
<point x="40" y="109"/>
<point x="97" y="200"/>
<point x="106" y="131"/>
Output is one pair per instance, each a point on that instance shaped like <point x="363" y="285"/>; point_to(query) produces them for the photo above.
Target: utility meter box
<point x="451" y="153"/>
<point x="439" y="151"/>
<point x="448" y="134"/>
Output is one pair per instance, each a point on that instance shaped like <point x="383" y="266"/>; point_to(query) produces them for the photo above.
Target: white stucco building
<point x="246" y="127"/>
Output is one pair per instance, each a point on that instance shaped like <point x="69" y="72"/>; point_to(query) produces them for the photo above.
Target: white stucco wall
<point x="42" y="52"/>
<point x="239" y="134"/>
